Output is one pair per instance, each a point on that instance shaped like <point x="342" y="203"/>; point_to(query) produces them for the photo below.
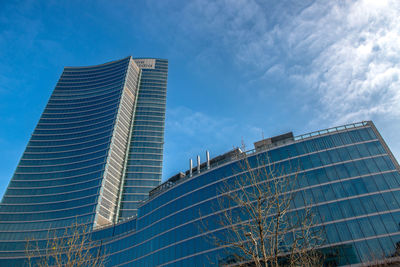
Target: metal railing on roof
<point x="164" y="186"/>
<point x="331" y="130"/>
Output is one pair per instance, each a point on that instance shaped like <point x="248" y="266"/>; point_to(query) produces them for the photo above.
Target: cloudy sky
<point x="238" y="70"/>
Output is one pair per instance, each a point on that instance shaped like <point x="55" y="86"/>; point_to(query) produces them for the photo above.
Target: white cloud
<point x="197" y="127"/>
<point x="338" y="61"/>
<point x="347" y="54"/>
<point x="356" y="74"/>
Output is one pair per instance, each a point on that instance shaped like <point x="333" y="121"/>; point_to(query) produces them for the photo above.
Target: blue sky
<point x="238" y="70"/>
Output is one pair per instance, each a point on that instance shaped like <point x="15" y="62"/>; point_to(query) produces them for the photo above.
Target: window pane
<point x="343" y="231"/>
<point x="334" y="156"/>
<point x="362" y="148"/>
<point x="338" y="189"/>
<point x="351" y="168"/>
<point x="368" y="204"/>
<point x="391" y="225"/>
<point x="372" y="148"/>
<point x="346" y="208"/>
<point x="355" y="229"/>
<point x="361" y="167"/>
<point x="341" y="170"/>
<point x="345" y="138"/>
<point x="344" y="155"/>
<point x="353" y="151"/>
<point x="379" y="202"/>
<point x="355" y="136"/>
<point x="328" y="192"/>
<point x="380" y="182"/>
<point x="359" y="186"/>
<point x="366" y="227"/>
<point x="325" y="158"/>
<point x="364" y="135"/>
<point x="371" y="133"/>
<point x="370" y="184"/>
<point x="348" y="188"/>
<point x="337" y="141"/>
<point x="310" y="145"/>
<point x="315" y="159"/>
<point x="357" y="206"/>
<point x="301" y="149"/>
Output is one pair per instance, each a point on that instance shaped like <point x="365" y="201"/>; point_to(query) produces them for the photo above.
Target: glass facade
<point x="75" y="164"/>
<point x="347" y="173"/>
<point x="143" y="171"/>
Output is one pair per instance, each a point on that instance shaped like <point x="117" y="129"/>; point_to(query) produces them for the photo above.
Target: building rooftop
<point x="262" y="145"/>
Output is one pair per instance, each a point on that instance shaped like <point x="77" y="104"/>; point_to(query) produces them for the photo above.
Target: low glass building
<point x="348" y="173"/>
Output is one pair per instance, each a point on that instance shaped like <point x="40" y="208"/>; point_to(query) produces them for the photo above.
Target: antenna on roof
<point x="198" y="164"/>
<point x="190" y="167"/>
<point x="208" y="159"/>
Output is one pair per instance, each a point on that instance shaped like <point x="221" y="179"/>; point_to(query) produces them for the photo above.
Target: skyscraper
<point x="95" y="152"/>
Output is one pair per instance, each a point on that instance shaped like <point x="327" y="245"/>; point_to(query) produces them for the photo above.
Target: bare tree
<point x="72" y="247"/>
<point x="260" y="225"/>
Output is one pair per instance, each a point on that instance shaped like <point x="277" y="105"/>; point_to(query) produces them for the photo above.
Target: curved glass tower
<point x="98" y="142"/>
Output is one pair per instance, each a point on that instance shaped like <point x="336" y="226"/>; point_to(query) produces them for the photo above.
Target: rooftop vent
<point x="274" y="141"/>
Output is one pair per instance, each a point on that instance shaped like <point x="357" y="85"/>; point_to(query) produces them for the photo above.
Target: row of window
<point x="229" y="170"/>
<point x="188" y="230"/>
<point x="79" y="94"/>
<point x="69" y="103"/>
<point x="63" y="161"/>
<point x="149" y="118"/>
<point x="67" y="154"/>
<point x="148" y="132"/>
<point x="147" y="123"/>
<point x="147" y="138"/>
<point x="148" y="113"/>
<point x="82" y="128"/>
<point x="73" y="114"/>
<point x="37" y="226"/>
<point x="154" y="169"/>
<point x="47" y="183"/>
<point x="66" y="142"/>
<point x="150" y="176"/>
<point x="68" y="85"/>
<point x="87" y="77"/>
<point x="94" y="69"/>
<point x="321" y="143"/>
<point x="65" y="81"/>
<point x="88" y="132"/>
<point x="38" y="191"/>
<point x="49" y="215"/>
<point x="61" y="108"/>
<point x="47" y="149"/>
<point x="35" y="207"/>
<point x="63" y="174"/>
<point x="71" y="123"/>
<point x="331" y="191"/>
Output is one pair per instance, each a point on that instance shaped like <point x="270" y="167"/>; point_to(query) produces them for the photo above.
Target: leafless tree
<point x="73" y="247"/>
<point x="382" y="260"/>
<point x="260" y="225"/>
